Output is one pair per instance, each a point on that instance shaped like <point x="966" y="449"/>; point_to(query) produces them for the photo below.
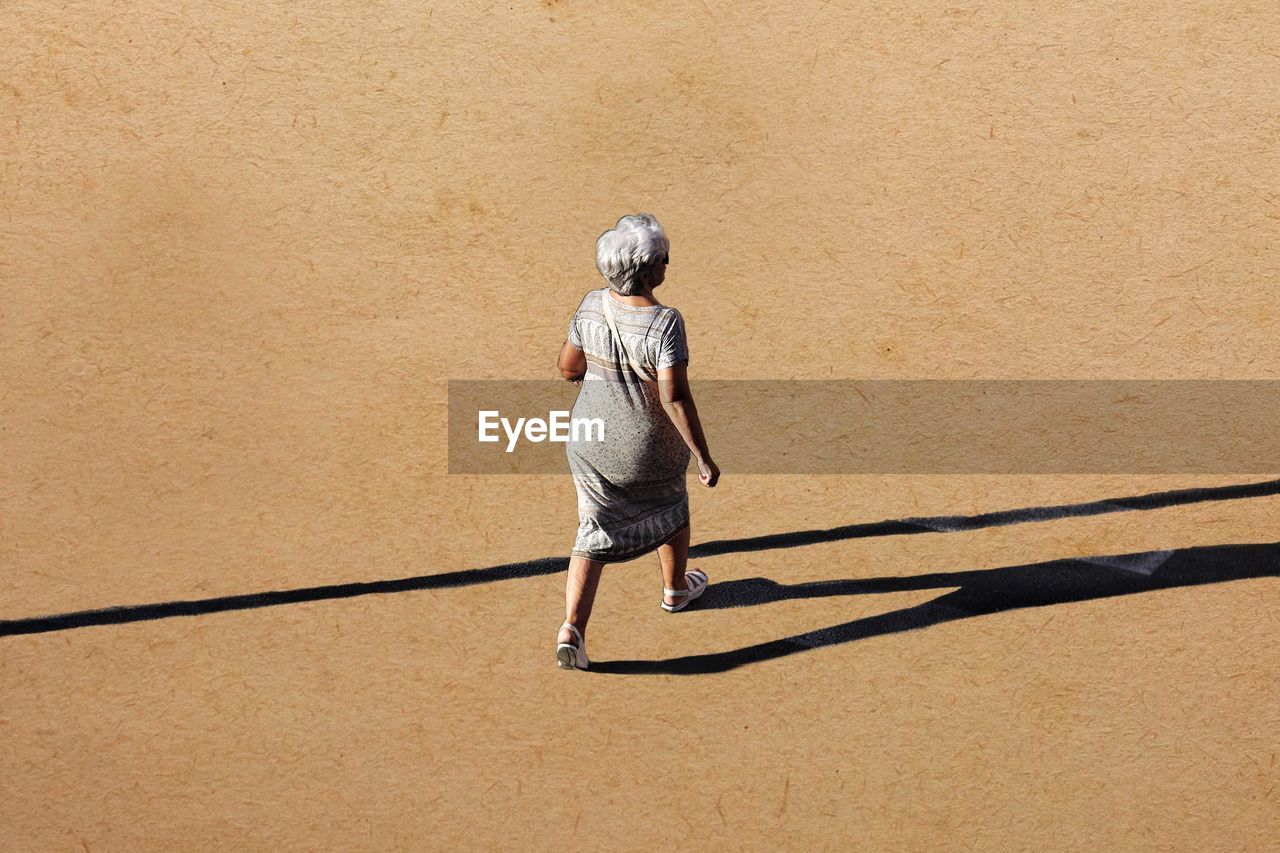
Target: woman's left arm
<point x="572" y="363"/>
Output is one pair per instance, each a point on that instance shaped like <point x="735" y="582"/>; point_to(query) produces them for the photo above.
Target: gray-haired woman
<point x="628" y="354"/>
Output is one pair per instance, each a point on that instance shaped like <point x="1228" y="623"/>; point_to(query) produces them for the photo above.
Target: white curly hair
<point x="627" y="253"/>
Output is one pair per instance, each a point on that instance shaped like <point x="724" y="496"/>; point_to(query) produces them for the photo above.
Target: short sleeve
<point x="674" y="346"/>
<point x="575" y="337"/>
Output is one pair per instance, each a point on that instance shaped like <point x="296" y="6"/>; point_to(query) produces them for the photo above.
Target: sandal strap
<point x="574" y="631"/>
<point x="699" y="580"/>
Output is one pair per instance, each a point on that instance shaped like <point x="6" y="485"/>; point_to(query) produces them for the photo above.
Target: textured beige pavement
<point x="244" y="247"/>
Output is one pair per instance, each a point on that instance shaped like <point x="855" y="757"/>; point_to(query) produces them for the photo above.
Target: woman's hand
<point x="708" y="473"/>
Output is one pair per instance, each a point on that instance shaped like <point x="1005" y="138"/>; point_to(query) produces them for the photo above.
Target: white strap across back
<point x="617" y="337"/>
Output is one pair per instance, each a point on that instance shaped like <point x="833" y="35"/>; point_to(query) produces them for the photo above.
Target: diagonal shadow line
<point x="960" y="523"/>
<point x="142" y="612"/>
<point x="551" y="565"/>
<point x="749" y="592"/>
<point x="980" y="593"/>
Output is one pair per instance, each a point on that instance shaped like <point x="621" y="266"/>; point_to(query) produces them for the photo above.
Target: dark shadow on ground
<point x="958" y="523"/>
<point x="980" y="593"/>
<point x="199" y="607"/>
<point x="552" y="565"/>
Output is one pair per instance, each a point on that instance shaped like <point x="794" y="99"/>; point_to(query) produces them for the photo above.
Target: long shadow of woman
<point x="979" y="593"/>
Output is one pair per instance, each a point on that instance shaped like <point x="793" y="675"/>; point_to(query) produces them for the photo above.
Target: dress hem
<point x="631" y="555"/>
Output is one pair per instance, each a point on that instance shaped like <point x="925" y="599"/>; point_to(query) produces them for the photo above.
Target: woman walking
<point x="628" y="354"/>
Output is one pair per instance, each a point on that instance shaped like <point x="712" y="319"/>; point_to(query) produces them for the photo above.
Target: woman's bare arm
<point x="572" y="363"/>
<point x="677" y="402"/>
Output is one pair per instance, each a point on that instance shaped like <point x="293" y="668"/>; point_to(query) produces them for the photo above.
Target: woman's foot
<point x="688" y="588"/>
<point x="571" y="648"/>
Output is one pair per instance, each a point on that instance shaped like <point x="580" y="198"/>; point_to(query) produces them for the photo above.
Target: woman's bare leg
<point x="579" y="596"/>
<point x="674" y="555"/>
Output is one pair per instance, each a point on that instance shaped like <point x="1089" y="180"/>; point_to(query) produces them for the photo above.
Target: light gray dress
<point x="631" y="486"/>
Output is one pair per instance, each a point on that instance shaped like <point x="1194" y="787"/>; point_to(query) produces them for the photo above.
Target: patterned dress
<point x="631" y="486"/>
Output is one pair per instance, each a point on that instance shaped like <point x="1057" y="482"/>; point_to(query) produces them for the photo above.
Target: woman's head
<point x="633" y="254"/>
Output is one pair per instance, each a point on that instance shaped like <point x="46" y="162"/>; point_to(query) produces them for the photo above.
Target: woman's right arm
<point x="572" y="363"/>
<point x="677" y="402"/>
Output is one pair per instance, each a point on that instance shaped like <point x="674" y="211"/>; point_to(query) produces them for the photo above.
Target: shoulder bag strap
<point x="617" y="337"/>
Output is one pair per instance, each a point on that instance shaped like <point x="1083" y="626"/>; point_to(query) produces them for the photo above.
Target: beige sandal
<point x="697" y="581"/>
<point x="570" y="656"/>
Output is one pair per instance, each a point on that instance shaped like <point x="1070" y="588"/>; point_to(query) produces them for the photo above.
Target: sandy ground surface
<point x="245" y="249"/>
